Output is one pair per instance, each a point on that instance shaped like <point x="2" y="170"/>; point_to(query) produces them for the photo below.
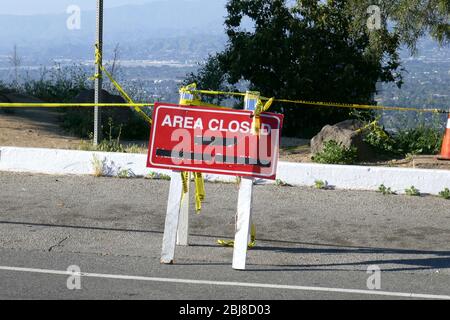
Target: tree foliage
<point x="313" y="50"/>
<point x="408" y="19"/>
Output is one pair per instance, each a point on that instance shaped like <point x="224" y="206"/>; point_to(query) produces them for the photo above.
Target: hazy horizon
<point x="33" y="7"/>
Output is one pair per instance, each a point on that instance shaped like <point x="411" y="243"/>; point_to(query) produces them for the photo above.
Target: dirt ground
<point x="40" y="128"/>
<point x="37" y="128"/>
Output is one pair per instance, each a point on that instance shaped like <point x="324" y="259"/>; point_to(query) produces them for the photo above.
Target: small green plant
<point x="413" y="192"/>
<point x="322" y="185"/>
<point x="281" y="183"/>
<point x="445" y="194"/>
<point x="125" y="174"/>
<point x="385" y="191"/>
<point x="335" y="153"/>
<point x="157" y="176"/>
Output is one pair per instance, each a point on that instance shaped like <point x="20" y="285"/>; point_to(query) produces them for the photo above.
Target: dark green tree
<point x="312" y="50"/>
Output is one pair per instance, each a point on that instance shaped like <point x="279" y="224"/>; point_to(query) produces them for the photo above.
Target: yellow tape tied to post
<point x="118" y="87"/>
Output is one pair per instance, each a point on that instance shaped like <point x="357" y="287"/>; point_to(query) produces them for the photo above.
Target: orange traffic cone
<point x="445" y="151"/>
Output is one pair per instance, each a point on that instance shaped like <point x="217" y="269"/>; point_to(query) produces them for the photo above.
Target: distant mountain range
<point x="145" y="31"/>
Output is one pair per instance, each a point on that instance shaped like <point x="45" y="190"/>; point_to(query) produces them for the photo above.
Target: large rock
<point x="87" y="96"/>
<point x="345" y="133"/>
<point x="18" y="98"/>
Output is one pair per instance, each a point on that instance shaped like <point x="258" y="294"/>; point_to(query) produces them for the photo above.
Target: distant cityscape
<point x="154" y="55"/>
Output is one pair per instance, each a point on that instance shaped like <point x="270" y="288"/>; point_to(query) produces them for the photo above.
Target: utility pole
<point x="98" y="72"/>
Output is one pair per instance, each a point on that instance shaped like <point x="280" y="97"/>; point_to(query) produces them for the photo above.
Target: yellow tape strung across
<point x="323" y="104"/>
<point x="73" y="105"/>
<point x="358" y="106"/>
<point x="131" y="104"/>
<point x="196" y="101"/>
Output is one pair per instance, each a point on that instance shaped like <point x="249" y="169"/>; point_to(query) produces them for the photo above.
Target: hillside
<point x="144" y="31"/>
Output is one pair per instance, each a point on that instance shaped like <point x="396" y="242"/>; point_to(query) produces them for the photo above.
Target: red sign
<point x="213" y="140"/>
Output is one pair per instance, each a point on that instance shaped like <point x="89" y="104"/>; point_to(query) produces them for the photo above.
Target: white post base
<point x="172" y="218"/>
<point x="243" y="223"/>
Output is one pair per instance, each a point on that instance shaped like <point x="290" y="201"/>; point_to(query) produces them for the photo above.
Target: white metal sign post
<point x="176" y="229"/>
<point x="244" y="208"/>
<point x="183" y="223"/>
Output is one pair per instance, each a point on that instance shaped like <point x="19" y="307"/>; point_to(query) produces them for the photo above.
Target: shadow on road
<point x="441" y="261"/>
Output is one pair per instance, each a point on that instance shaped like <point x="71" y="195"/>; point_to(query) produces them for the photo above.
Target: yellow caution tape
<point x="131" y="104"/>
<point x="199" y="191"/>
<point x="185" y="182"/>
<point x="198" y="177"/>
<point x="196" y="101"/>
<point x="358" y="106"/>
<point x="260" y="107"/>
<point x="118" y="87"/>
<point x="219" y="93"/>
<point x="230" y="243"/>
<point x="199" y="188"/>
<point x="323" y="104"/>
<point x="73" y="105"/>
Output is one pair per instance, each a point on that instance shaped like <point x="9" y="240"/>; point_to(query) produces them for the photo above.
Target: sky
<point x="31" y="7"/>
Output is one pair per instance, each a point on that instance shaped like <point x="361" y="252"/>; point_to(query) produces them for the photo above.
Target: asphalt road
<point x="311" y="244"/>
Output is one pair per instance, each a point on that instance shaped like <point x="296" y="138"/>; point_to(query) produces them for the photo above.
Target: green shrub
<point x="412" y="192"/>
<point x="125" y="174"/>
<point x="335" y="153"/>
<point x="158" y="176"/>
<point x="322" y="185"/>
<point x="379" y="139"/>
<point x="61" y="84"/>
<point x="420" y="140"/>
<point x="384" y="190"/>
<point x="445" y="194"/>
<point x="281" y="183"/>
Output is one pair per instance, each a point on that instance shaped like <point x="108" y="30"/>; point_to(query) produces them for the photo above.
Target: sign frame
<point x="230" y="172"/>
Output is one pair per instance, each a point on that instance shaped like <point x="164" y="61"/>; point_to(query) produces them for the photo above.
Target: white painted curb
<point x="365" y="178"/>
<point x="55" y="161"/>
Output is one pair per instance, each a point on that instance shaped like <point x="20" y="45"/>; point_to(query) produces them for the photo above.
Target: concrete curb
<point x="61" y="162"/>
